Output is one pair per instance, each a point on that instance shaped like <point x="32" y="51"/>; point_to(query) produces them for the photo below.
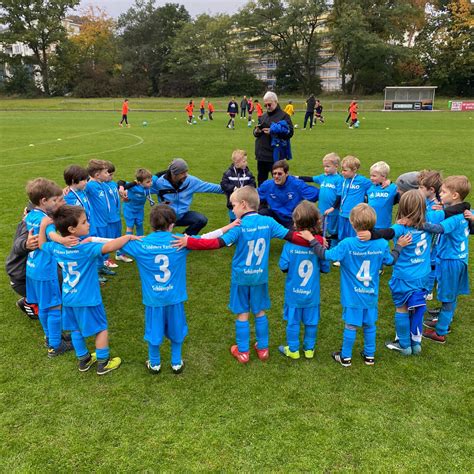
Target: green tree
<point x="37" y="23"/>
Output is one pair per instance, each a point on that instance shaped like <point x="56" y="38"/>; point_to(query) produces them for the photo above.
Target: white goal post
<point x="409" y="98"/>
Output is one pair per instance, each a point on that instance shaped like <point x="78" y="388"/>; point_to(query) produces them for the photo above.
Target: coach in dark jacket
<point x="263" y="148"/>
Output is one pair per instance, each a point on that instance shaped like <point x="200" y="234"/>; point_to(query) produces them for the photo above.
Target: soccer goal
<point x="409" y="98"/>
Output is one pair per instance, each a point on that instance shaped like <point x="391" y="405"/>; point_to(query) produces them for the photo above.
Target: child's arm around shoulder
<point x="403" y="241"/>
<point x="68" y="241"/>
<point x="118" y="243"/>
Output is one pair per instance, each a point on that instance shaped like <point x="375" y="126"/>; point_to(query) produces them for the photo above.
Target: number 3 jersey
<point x="360" y="266"/>
<point x="79" y="266"/>
<point x="252" y="238"/>
<point x="162" y="268"/>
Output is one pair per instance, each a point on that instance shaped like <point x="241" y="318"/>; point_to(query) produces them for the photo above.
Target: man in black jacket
<point x="310" y="104"/>
<point x="263" y="147"/>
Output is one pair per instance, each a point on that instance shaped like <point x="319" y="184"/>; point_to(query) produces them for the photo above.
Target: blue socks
<point x="129" y="232"/>
<point x="402" y="328"/>
<point x="293" y="337"/>
<point x="79" y="344"/>
<point x="242" y="335"/>
<point x="176" y="353"/>
<point x="54" y="327"/>
<point x="139" y="228"/>
<point x="43" y="317"/>
<point x="348" y="340"/>
<point x="261" y="331"/>
<point x="102" y="354"/>
<point x="154" y="355"/>
<point x="309" y="341"/>
<point x="445" y="318"/>
<point x="369" y="340"/>
<point x="416" y="324"/>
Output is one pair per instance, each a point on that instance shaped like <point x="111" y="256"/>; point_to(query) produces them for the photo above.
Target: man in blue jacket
<point x="176" y="188"/>
<point x="283" y="193"/>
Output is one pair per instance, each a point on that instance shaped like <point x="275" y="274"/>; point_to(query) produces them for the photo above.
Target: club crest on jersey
<point x="290" y="195"/>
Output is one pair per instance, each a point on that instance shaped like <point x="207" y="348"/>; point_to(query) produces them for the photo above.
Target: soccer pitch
<point x="403" y="414"/>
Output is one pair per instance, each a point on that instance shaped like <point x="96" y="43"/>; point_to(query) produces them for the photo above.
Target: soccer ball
<point x="194" y="122"/>
<point x="296" y="125"/>
<point x="249" y="124"/>
<point x="356" y="125"/>
<point x="145" y="123"/>
<point x="205" y="119"/>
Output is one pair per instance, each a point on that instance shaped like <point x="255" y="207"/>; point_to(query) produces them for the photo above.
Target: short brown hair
<point x="281" y="164"/>
<point x="412" y="206"/>
<point x="109" y="166"/>
<point x="332" y="157"/>
<point x="142" y="174"/>
<point x="75" y="174"/>
<point x="95" y="166"/>
<point x="248" y="194"/>
<point x="363" y="217"/>
<point x="161" y="217"/>
<point x="307" y="217"/>
<point x="458" y="184"/>
<point x="67" y="216"/>
<point x="42" y="188"/>
<point x="430" y="179"/>
<point x="351" y="162"/>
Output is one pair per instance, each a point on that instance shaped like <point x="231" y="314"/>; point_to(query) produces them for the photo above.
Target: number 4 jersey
<point x="162" y="268"/>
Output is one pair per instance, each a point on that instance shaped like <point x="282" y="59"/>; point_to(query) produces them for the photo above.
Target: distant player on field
<point x="124" y="113"/>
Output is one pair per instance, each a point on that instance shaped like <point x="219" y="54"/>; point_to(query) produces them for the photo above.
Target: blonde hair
<point x="412" y="207"/>
<point x="381" y="168"/>
<point x="363" y="217"/>
<point x="248" y="194"/>
<point x="458" y="184"/>
<point x="142" y="174"/>
<point x="307" y="217"/>
<point x="237" y="154"/>
<point x="351" y="162"/>
<point x="333" y="158"/>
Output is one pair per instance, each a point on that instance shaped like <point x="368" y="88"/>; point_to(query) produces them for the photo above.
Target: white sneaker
<point x="429" y="296"/>
<point x="336" y="264"/>
<point x="110" y="264"/>
<point x="124" y="258"/>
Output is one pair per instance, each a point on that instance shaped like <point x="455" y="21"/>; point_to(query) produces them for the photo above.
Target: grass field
<point x="404" y="414"/>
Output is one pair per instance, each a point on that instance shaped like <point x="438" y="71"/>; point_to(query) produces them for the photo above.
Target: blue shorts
<point x="307" y="316"/>
<point x="169" y="321"/>
<point x="101" y="232"/>
<point x="453" y="280"/>
<point x="114" y="230"/>
<point x="344" y="228"/>
<point x="332" y="223"/>
<point x="359" y="317"/>
<point x="246" y="299"/>
<point x="402" y="290"/>
<point x="133" y="218"/>
<point x="88" y="320"/>
<point x="46" y="294"/>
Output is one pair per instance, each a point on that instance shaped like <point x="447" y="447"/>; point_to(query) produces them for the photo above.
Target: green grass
<point x="404" y="414"/>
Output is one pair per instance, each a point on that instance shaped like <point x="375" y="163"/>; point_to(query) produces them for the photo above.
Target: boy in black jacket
<point x="237" y="175"/>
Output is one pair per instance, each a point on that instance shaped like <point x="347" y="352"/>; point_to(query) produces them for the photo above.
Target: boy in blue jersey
<point x="163" y="275"/>
<point x="381" y="199"/>
<point x="329" y="194"/>
<point x="302" y="291"/>
<point x="83" y="312"/>
<point x="451" y="258"/>
<point x="134" y="207"/>
<point x="361" y="263"/>
<point x="249" y="283"/>
<point x="42" y="284"/>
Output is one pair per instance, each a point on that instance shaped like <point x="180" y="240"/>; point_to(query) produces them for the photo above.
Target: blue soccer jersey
<point x="353" y="191"/>
<point x="162" y="268"/>
<point x="454" y="243"/>
<point x="137" y="197"/>
<point x="99" y="199"/>
<point x="79" y="266"/>
<point x="39" y="265"/>
<point x="78" y="197"/>
<point x="330" y="186"/>
<point x="252" y="237"/>
<point x="114" y="201"/>
<point x="360" y="266"/>
<point x="382" y="200"/>
<point x="302" y="288"/>
<point x="414" y="262"/>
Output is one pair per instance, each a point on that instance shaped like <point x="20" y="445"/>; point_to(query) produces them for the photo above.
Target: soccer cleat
<point x="178" y="369"/>
<point x="432" y="325"/>
<point x="110" y="264"/>
<point x="309" y="353"/>
<point x="60" y="350"/>
<point x="285" y="350"/>
<point x="31" y="310"/>
<point x="105" y="271"/>
<point x="108" y="365"/>
<point x="262" y="354"/>
<point x="336" y="264"/>
<point x="87" y="362"/>
<point x="416" y="349"/>
<point x="102" y="280"/>
<point x="368" y="360"/>
<point x="124" y="258"/>
<point x="395" y="346"/>
<point x="434" y="311"/>
<point x="120" y="125"/>
<point x="344" y="361"/>
<point x="154" y="369"/>
<point x="434" y="336"/>
<point x="242" y="357"/>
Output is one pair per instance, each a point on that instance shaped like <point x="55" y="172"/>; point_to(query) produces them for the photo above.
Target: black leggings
<point x="124" y="118"/>
<point x="263" y="168"/>
<point x="308" y="116"/>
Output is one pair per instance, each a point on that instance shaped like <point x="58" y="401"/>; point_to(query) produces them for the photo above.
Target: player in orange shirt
<point x="124" y="113"/>
<point x="353" y="112"/>
<point x="258" y="107"/>
<point x="210" y="109"/>
<point x="189" y="109"/>
<point x="202" y="108"/>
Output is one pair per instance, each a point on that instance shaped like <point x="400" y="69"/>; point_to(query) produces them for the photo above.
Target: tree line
<point x="163" y="51"/>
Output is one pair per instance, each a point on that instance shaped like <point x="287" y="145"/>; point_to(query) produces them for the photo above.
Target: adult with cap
<point x="264" y="151"/>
